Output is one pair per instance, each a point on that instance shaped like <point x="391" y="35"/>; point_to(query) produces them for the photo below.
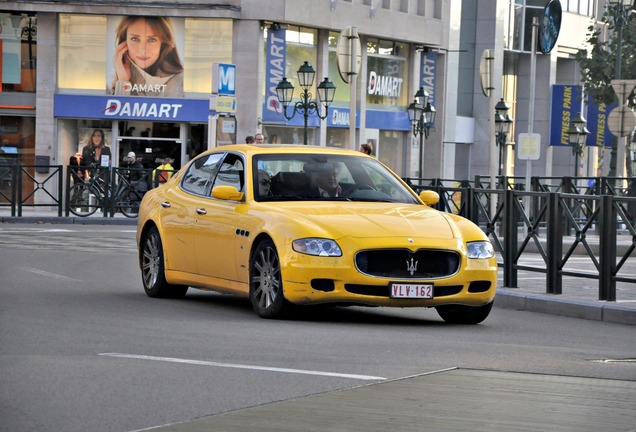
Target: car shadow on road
<point x="228" y="303"/>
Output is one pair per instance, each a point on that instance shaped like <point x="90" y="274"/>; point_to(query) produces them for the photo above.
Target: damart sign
<point x="131" y="108"/>
<point x="117" y="108"/>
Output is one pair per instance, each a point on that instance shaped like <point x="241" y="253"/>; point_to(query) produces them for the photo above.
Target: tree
<point x="599" y="65"/>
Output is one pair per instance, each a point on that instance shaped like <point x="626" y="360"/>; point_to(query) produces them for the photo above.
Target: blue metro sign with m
<point x="225" y="82"/>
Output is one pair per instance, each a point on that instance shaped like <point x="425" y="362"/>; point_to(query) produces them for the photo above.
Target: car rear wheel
<point x="153" y="270"/>
<point x="266" y="286"/>
<point x="459" y="314"/>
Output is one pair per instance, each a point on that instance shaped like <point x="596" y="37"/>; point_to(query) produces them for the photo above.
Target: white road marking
<point x="48" y="274"/>
<point x="240" y="366"/>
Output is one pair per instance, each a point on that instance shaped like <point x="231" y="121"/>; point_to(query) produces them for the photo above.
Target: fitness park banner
<point x="567" y="101"/>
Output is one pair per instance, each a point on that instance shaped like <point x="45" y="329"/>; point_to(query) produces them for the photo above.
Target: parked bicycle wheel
<point x="82" y="202"/>
<point x="127" y="204"/>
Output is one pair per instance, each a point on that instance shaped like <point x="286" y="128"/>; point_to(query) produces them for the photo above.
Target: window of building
<point x="518" y="24"/>
<point x="18" y="46"/>
<point x="82" y="52"/>
<point x="207" y="41"/>
<point x="387" y="73"/>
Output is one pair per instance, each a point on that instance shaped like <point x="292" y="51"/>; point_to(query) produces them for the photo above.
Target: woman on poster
<point x="146" y="59"/>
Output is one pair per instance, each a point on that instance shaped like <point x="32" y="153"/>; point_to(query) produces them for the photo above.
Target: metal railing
<point x="21" y="188"/>
<point x="558" y="217"/>
<point x="553" y="224"/>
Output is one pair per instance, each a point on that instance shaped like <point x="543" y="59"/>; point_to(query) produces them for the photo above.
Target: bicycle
<point x="85" y="197"/>
<point x="129" y="193"/>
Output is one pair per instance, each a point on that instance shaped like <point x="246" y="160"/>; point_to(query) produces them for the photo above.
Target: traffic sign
<point x="621" y="121"/>
<point x="623" y="88"/>
<point x="529" y="146"/>
<point x="224" y="79"/>
<point x="223" y="104"/>
<point x="348" y="46"/>
<point x="485" y="71"/>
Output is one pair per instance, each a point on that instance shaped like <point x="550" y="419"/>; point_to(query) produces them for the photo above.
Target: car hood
<point x="369" y="219"/>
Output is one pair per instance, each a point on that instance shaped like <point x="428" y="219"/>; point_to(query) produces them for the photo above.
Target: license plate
<point x="417" y="291"/>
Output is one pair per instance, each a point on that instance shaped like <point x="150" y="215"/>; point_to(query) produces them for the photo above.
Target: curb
<point x="68" y="220"/>
<point x="508" y="298"/>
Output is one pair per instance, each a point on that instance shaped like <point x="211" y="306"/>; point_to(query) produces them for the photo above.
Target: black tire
<point x="128" y="207"/>
<point x="458" y="314"/>
<point x="79" y="202"/>
<point x="266" y="284"/>
<point x="153" y="270"/>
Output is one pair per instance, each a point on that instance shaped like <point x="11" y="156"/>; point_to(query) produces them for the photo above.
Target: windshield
<point x="285" y="177"/>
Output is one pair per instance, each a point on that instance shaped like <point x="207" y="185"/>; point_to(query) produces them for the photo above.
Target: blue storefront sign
<point x="131" y="108"/>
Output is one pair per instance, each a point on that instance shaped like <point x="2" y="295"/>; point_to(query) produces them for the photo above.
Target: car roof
<point x="284" y="148"/>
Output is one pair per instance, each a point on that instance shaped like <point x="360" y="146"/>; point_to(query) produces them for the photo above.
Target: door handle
<point x="165" y="204"/>
<point x="202" y="211"/>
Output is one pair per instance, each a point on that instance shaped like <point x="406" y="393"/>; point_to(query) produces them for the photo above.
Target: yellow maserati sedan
<point x="287" y="226"/>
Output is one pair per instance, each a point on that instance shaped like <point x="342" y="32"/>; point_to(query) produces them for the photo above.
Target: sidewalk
<point x="579" y="298"/>
<point x="50" y="215"/>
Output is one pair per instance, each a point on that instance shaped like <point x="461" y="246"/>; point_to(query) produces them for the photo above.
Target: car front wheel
<point x="459" y="314"/>
<point x="266" y="286"/>
<point x="153" y="270"/>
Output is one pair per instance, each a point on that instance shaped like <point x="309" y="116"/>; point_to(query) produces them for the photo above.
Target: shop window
<point x="17" y="146"/>
<point x="18" y="47"/>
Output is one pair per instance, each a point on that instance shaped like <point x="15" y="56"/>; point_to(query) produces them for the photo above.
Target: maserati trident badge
<point x="411" y="267"/>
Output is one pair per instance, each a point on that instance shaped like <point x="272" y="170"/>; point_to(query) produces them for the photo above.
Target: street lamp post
<point x="577" y="133"/>
<point x="502" y="128"/>
<point x="326" y="92"/>
<point x="422" y="117"/>
<point x="621" y="8"/>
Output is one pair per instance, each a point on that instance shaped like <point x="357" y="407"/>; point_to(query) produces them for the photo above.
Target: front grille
<point x="404" y="264"/>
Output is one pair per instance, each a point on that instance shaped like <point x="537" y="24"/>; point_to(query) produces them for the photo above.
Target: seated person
<point x="264" y="184"/>
<point x="325" y="180"/>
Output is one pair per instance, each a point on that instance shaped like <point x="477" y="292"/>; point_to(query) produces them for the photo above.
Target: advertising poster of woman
<point x="145" y="56"/>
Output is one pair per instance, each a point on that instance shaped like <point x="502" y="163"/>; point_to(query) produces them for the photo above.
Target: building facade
<point x="63" y="79"/>
<point x="69" y="68"/>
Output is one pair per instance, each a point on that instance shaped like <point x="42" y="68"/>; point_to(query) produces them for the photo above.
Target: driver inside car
<point x="326" y="181"/>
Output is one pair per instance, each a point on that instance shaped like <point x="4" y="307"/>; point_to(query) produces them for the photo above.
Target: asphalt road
<point x="82" y="348"/>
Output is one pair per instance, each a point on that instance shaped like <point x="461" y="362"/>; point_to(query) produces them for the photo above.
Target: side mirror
<point x="429" y="197"/>
<point x="227" y="193"/>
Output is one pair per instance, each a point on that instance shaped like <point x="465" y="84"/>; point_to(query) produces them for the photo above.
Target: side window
<point x="200" y="172"/>
<point x="231" y="173"/>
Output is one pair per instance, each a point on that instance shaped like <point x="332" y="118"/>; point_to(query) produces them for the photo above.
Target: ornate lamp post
<point x="502" y="127"/>
<point x="422" y="117"/>
<point x="577" y="133"/>
<point x="326" y="92"/>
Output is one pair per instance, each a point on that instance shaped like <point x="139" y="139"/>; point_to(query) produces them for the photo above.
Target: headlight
<point x="480" y="249"/>
<point x="317" y="246"/>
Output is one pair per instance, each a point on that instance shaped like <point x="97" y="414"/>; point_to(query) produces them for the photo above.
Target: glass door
<point x="152" y="143"/>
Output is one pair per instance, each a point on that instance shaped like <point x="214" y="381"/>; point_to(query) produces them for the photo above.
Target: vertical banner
<point x="566" y="103"/>
<point x="597" y="114"/>
<point x="275" y="62"/>
<point x="428" y="69"/>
